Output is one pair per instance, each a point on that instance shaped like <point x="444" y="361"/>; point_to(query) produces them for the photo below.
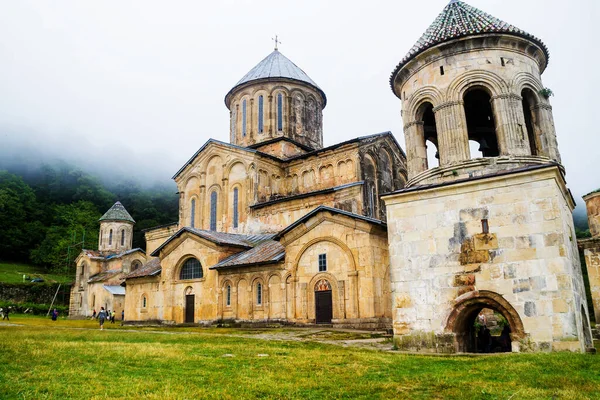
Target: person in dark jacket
<point x="102" y="317"/>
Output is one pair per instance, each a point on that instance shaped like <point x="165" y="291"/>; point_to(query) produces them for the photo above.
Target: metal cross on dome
<point x="276" y="41"/>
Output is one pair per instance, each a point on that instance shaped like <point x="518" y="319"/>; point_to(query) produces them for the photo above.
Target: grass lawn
<point x="73" y="359"/>
<point x="13" y="273"/>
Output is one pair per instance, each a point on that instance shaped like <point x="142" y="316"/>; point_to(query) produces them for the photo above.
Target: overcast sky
<point x="136" y="87"/>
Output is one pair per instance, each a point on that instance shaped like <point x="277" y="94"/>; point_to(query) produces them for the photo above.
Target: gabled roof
<point x="305" y="195"/>
<point x="117" y="213"/>
<point x="151" y="268"/>
<point x="103" y="276"/>
<point x="457" y="20"/>
<point x="219" y="238"/>
<point x="267" y="252"/>
<point x="277" y="66"/>
<point x="333" y="211"/>
<point x="233" y="146"/>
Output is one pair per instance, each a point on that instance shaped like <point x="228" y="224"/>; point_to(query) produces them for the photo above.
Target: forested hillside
<point x="47" y="214"/>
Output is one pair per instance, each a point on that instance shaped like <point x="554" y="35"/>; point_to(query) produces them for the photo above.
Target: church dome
<point x="117" y="213"/>
<point x="275" y="67"/>
<point x="459" y="20"/>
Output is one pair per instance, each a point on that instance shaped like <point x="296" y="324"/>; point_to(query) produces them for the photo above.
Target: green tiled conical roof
<point x="458" y="19"/>
<point x="117" y="213"/>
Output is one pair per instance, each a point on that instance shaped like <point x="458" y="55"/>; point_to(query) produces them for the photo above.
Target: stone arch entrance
<point x="323" y="302"/>
<point x="462" y="321"/>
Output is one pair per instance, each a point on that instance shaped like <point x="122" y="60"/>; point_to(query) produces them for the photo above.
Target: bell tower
<point x="116" y="230"/>
<point x="485" y="225"/>
<point x="472" y="94"/>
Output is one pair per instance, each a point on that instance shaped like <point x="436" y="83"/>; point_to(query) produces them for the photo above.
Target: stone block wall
<point x="526" y="265"/>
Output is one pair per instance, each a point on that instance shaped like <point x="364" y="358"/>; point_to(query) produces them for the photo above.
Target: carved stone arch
<point x="181" y="261"/>
<point x="231" y="164"/>
<point x="257" y="91"/>
<point x="525" y="80"/>
<point x="487" y="80"/>
<point x="257" y="279"/>
<point x="214" y="187"/>
<point x="190" y="178"/>
<point x="295" y="92"/>
<point x="279" y="89"/>
<point x="189" y="290"/>
<point x="422" y="95"/>
<point x="467" y="307"/>
<point x="337" y="303"/>
<point x="331" y="239"/>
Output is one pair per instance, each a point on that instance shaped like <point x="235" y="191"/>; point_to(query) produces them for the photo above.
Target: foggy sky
<point x="134" y="88"/>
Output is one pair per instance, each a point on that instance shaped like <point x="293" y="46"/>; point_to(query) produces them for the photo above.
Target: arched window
<point x="260" y="114"/>
<point x="213" y="211"/>
<point x="122" y="237"/>
<point x="191" y="269"/>
<point x="529" y="101"/>
<point x="258" y="293"/>
<point x="430" y="136"/>
<point x="279" y="112"/>
<point x="144" y="302"/>
<point x="480" y="122"/>
<point x="193" y="213"/>
<point x="228" y="295"/>
<point x="110" y="237"/>
<point x="235" y="207"/>
<point x="135" y="265"/>
<point x="244" y="118"/>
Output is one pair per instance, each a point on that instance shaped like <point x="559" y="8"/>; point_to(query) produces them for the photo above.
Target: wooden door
<point x="189" y="308"/>
<point x="323" y="307"/>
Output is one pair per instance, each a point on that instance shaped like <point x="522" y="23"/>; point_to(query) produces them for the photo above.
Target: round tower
<point x="472" y="94"/>
<point x="276" y="99"/>
<point x="116" y="230"/>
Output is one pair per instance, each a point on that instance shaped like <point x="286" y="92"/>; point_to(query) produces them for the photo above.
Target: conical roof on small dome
<point x="117" y="213"/>
<point x="275" y="66"/>
<point x="458" y="19"/>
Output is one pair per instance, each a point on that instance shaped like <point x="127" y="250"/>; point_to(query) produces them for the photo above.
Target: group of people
<point x="4" y="313"/>
<point x="104" y="315"/>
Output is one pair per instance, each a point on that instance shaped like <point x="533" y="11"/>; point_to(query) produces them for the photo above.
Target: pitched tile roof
<point x="151" y="268"/>
<point x="103" y="276"/>
<point x="117" y="213"/>
<point x="269" y="251"/>
<point x="220" y="238"/>
<point x="276" y="65"/>
<point x="458" y="19"/>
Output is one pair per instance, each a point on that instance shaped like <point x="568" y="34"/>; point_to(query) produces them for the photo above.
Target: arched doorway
<point x="323" y="302"/>
<point x="469" y="323"/>
<point x="190" y="301"/>
<point x="529" y="101"/>
<point x="480" y="122"/>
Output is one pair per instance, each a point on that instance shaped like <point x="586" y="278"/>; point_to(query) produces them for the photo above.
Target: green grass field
<point x="42" y="359"/>
<point x="13" y="273"/>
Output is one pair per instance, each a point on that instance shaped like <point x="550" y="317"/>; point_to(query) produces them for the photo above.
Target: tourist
<point x="102" y="317"/>
<point x="94" y="314"/>
<point x="122" y="316"/>
<point x="112" y="317"/>
<point x="5" y="316"/>
<point x="54" y="315"/>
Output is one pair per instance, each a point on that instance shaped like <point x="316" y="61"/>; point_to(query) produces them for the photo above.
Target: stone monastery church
<point x="274" y="227"/>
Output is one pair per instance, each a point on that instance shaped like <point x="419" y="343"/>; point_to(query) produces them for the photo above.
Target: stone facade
<point x="526" y="265"/>
<point x="100" y="273"/>
<point x="490" y="230"/>
<point x="591" y="249"/>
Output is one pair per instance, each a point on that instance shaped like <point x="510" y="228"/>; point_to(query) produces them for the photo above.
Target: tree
<point x="65" y="238"/>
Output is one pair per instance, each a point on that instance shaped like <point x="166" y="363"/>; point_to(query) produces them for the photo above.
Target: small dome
<point x="276" y="66"/>
<point x="117" y="213"/>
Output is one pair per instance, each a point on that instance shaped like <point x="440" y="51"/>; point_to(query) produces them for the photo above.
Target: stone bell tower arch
<point x="491" y="220"/>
